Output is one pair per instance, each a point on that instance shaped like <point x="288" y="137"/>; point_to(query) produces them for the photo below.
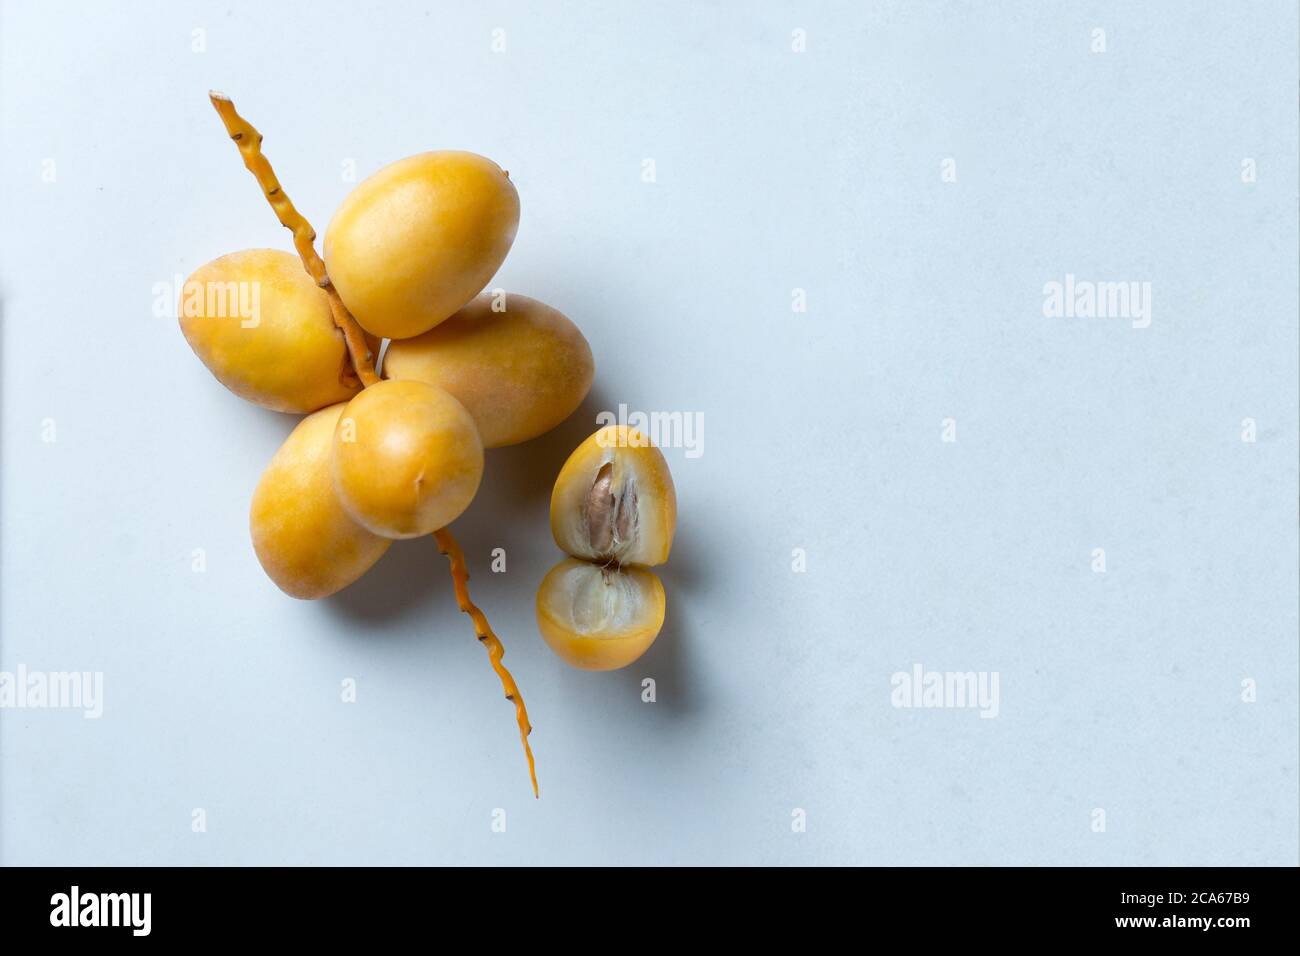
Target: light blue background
<point x="776" y="171"/>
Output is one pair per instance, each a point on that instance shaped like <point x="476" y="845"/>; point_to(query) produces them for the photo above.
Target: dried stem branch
<point x="249" y="141"/>
<point x="460" y="580"/>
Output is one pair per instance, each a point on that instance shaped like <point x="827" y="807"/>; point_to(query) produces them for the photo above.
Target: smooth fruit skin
<point x="407" y="459"/>
<point x="519" y="372"/>
<point x="601" y="649"/>
<point x="263" y="328"/>
<point x="417" y="240"/>
<point x="632" y="458"/>
<point x="306" y="542"/>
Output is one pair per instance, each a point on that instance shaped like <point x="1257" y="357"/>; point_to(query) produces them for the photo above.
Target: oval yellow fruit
<point x="599" y="618"/>
<point x="614" y="500"/>
<point x="417" y="240"/>
<point x="264" y="329"/>
<point x="518" y="366"/>
<point x="307" y="544"/>
<point x="407" y="459"/>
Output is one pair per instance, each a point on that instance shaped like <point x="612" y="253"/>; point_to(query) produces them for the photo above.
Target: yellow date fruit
<point x="407" y="458"/>
<point x="264" y="329"/>
<point x="599" y="618"/>
<point x="518" y="366"/>
<point x="307" y="544"/>
<point x="614" y="500"/>
<point x="417" y="240"/>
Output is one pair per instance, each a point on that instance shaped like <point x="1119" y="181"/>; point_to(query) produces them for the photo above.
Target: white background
<point x="776" y="170"/>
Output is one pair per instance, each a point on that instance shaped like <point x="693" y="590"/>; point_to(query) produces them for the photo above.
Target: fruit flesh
<point x="407" y="459"/>
<point x="264" y="329"/>
<point x="599" y="618"/>
<point x="419" y="239"/>
<point x="614" y="500"/>
<point x="519" y="372"/>
<point x="307" y="544"/>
